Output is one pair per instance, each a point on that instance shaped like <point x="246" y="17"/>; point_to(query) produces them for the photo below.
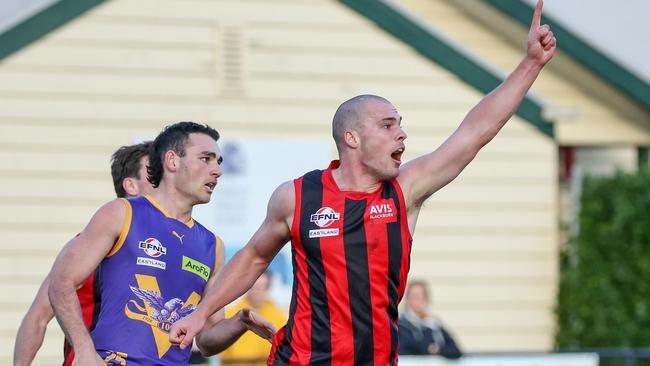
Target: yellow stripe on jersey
<point x="125" y="228"/>
<point x="219" y="249"/>
<point x="155" y="204"/>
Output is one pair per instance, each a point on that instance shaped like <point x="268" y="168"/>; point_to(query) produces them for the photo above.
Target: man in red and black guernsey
<point x="152" y="262"/>
<point x="350" y="226"/>
<point x="129" y="173"/>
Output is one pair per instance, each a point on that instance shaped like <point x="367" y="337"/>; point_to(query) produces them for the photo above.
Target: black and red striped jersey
<point x="351" y="256"/>
<point x="88" y="295"/>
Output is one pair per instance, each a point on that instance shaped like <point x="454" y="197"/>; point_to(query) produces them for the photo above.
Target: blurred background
<point x="541" y="245"/>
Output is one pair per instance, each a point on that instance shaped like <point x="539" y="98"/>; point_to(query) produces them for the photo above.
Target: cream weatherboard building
<point x="81" y="78"/>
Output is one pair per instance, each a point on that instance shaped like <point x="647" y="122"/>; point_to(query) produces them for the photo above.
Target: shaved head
<point x="350" y="114"/>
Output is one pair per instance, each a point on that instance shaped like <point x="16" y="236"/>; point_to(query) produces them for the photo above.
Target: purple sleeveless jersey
<point x="154" y="275"/>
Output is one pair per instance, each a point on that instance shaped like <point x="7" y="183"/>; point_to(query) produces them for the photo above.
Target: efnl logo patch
<point x="152" y="247"/>
<point x="196" y="267"/>
<point x="324" y="217"/>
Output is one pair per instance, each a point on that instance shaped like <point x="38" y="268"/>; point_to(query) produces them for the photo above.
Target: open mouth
<point x="211" y="186"/>
<point x="397" y="155"/>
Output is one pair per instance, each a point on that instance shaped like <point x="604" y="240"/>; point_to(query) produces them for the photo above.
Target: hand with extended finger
<point x="255" y="323"/>
<point x="541" y="41"/>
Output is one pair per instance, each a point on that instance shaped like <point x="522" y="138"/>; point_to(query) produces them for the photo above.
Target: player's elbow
<point x="59" y="285"/>
<point x="42" y="319"/>
<point x="53" y="291"/>
<point x="479" y="132"/>
<point x="205" y="351"/>
<point x="208" y="349"/>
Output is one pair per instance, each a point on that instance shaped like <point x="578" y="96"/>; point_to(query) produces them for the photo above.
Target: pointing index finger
<point x="537" y="16"/>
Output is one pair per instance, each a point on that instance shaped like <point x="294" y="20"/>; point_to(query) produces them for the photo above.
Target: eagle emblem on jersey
<point x="169" y="311"/>
<point x="152" y="308"/>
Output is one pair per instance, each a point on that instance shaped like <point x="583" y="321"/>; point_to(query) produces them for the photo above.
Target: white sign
<point x="252" y="170"/>
<point x="545" y="359"/>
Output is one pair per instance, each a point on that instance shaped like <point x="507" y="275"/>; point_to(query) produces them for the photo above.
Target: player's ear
<point x="170" y="160"/>
<point x="351" y="138"/>
<point x="130" y="186"/>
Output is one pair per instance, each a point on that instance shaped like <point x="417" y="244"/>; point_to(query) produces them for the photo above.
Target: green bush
<point x="604" y="297"/>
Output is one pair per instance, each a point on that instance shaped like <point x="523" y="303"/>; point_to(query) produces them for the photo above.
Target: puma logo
<point x="180" y="237"/>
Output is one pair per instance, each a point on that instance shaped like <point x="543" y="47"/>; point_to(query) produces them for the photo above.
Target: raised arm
<point x="245" y="267"/>
<point x="78" y="259"/>
<point x="32" y="329"/>
<point x="423" y="176"/>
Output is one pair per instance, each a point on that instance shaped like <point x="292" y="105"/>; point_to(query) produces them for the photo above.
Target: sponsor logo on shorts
<point x="143" y="261"/>
<point x="324" y="217"/>
<point x="152" y="247"/>
<point x="319" y="233"/>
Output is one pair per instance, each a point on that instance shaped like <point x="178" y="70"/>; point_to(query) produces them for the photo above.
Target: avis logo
<point x="152" y="247"/>
<point x="381" y="209"/>
<point x="324" y="217"/>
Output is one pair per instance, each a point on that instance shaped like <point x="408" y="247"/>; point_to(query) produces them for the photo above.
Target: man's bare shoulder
<point x="283" y="200"/>
<point x="108" y="218"/>
<point x="112" y="209"/>
<point x="286" y="190"/>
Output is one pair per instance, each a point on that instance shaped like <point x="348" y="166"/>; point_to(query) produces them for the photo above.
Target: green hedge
<point x="604" y="298"/>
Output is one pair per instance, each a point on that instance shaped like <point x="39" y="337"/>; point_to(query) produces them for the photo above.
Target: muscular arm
<point x="219" y="333"/>
<point x="245" y="267"/>
<point x="73" y="265"/>
<point x="423" y="176"/>
<point x="32" y="329"/>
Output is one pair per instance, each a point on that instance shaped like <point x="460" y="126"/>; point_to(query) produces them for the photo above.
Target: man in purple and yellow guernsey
<point x="129" y="173"/>
<point x="153" y="262"/>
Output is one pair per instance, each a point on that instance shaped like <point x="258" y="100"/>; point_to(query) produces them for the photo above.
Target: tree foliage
<point x="604" y="298"/>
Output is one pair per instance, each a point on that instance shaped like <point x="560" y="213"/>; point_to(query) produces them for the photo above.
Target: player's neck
<point x="354" y="178"/>
<point x="173" y="202"/>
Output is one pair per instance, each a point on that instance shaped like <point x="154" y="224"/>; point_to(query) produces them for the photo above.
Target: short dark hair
<point x="125" y="163"/>
<point x="173" y="138"/>
<point x="349" y="113"/>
